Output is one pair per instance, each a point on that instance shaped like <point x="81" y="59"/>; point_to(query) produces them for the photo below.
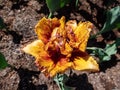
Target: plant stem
<point x="50" y="15"/>
<point x="76" y="3"/>
<point x="58" y="81"/>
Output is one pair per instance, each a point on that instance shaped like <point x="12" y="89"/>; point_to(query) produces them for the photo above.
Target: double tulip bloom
<point x="61" y="45"/>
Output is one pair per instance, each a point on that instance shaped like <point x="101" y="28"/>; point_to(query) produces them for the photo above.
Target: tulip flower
<point x="61" y="45"/>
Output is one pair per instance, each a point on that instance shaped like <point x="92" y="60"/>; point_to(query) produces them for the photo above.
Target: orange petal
<point x="44" y="62"/>
<point x="70" y="27"/>
<point x="35" y="48"/>
<point x="45" y="27"/>
<point x="86" y="63"/>
<point x="82" y="34"/>
<point x="71" y="24"/>
<point x="60" y="67"/>
<point x="62" y="22"/>
<point x="67" y="50"/>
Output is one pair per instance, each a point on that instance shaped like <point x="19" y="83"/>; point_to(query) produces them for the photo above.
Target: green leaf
<point x="112" y="21"/>
<point x="2" y="25"/>
<point x="118" y="42"/>
<point x="64" y="2"/>
<point x="100" y="53"/>
<point x="60" y="79"/>
<point x="76" y="3"/>
<point x="54" y="5"/>
<point x="111" y="49"/>
<point x="3" y="62"/>
<point x="118" y="25"/>
<point x="105" y="54"/>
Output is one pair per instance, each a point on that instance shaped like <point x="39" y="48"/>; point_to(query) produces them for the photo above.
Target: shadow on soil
<point x="100" y="14"/>
<point x="18" y="3"/>
<point x="108" y="64"/>
<point x="80" y="82"/>
<point x="16" y="37"/>
<point x="110" y="2"/>
<point x="26" y="80"/>
<point x="44" y="9"/>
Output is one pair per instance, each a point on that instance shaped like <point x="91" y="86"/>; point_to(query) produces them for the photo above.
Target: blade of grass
<point x="3" y="62"/>
<point x="2" y="25"/>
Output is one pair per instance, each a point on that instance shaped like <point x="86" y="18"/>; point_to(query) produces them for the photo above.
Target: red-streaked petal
<point x="45" y="27"/>
<point x="60" y="67"/>
<point x="82" y="34"/>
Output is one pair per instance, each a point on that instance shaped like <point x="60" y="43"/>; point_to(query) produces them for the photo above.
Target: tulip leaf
<point x="112" y="21"/>
<point x="118" y="25"/>
<point x="118" y="42"/>
<point x="76" y="3"/>
<point x="3" y="62"/>
<point x="110" y="49"/>
<point x="60" y="79"/>
<point x="106" y="53"/>
<point x="100" y="53"/>
<point x="54" y="5"/>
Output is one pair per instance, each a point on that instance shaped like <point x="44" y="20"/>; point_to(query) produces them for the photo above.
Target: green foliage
<point x="76" y="3"/>
<point x="3" y="62"/>
<point x="117" y="42"/>
<point x="60" y="79"/>
<point x="2" y="25"/>
<point x="118" y="25"/>
<point x="112" y="21"/>
<point x="54" y="5"/>
<point x="105" y="54"/>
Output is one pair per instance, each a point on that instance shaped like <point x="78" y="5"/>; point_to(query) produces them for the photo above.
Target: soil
<point x="20" y="17"/>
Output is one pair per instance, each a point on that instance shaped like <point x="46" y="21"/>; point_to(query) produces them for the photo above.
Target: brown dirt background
<point x="20" y="17"/>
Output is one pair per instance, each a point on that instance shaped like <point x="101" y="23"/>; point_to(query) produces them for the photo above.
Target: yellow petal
<point x="62" y="22"/>
<point x="70" y="27"/>
<point x="44" y="62"/>
<point x="67" y="50"/>
<point x="82" y="34"/>
<point x="86" y="63"/>
<point x="60" y="67"/>
<point x="71" y="24"/>
<point x="35" y="48"/>
<point x="45" y="27"/>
